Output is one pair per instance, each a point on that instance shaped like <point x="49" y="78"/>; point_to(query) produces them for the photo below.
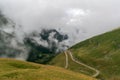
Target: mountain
<point x="98" y="55"/>
<point x="19" y="70"/>
<point x="44" y="45"/>
<point x="37" y="46"/>
<point x="100" y="52"/>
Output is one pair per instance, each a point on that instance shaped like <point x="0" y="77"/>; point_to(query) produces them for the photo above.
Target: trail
<point x="97" y="72"/>
<point x="66" y="65"/>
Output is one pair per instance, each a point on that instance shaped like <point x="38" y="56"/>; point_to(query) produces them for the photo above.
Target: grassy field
<point x="18" y="70"/>
<point x="101" y="52"/>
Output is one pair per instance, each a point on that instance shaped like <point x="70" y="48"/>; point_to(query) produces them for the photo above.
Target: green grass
<point x="101" y="52"/>
<point x="60" y="61"/>
<point x="18" y="70"/>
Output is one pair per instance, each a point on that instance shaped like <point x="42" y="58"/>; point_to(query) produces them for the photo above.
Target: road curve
<point x="97" y="72"/>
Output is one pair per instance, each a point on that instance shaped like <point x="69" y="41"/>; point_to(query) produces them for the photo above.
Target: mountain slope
<point x="18" y="70"/>
<point x="101" y="52"/>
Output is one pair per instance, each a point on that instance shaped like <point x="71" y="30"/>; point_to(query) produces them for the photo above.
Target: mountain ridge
<point x="101" y="52"/>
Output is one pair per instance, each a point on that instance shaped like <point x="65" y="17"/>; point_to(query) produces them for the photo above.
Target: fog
<point x="80" y="19"/>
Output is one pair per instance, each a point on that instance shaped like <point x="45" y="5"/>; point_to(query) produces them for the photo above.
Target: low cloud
<point x="80" y="19"/>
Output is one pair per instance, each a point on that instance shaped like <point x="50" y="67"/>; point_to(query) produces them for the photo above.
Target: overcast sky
<point x="80" y="19"/>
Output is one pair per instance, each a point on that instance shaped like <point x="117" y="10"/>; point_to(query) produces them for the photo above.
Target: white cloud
<point x="76" y="12"/>
<point x="76" y="15"/>
<point x="81" y="19"/>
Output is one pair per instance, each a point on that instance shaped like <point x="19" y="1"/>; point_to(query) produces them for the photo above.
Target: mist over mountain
<point x="80" y="19"/>
<point x="9" y="44"/>
<point x="42" y="45"/>
<point x="60" y="33"/>
<point x="45" y="45"/>
<point x="44" y="26"/>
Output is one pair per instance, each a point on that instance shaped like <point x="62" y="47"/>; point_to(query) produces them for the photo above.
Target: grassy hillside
<point x="101" y="52"/>
<point x="60" y="61"/>
<point x="18" y="70"/>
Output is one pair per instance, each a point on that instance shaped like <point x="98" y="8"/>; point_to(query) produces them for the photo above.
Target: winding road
<point x="97" y="72"/>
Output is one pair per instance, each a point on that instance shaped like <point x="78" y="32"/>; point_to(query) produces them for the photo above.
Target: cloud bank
<point x="80" y="19"/>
